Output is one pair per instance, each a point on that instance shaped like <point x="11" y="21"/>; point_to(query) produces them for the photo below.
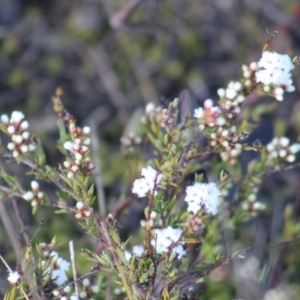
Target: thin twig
<point x="117" y="20"/>
<point x="109" y="79"/>
<point x="72" y="257"/>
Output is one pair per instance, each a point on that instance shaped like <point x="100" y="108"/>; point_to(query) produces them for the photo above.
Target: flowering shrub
<point x="194" y="187"/>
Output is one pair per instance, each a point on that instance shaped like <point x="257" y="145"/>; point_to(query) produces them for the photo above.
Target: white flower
<point x="63" y="264"/>
<point x="34" y="185"/>
<point x="274" y="68"/>
<point x="28" y="196"/>
<point x="95" y="289"/>
<point x="140" y="187"/>
<point x="59" y="276"/>
<point x="203" y="196"/>
<point x="86" y="130"/>
<point x="86" y="282"/>
<point x="67" y="289"/>
<point x="13" y="277"/>
<point x="138" y="250"/>
<point x="4" y="119"/>
<point x="128" y="255"/>
<point x="151" y="176"/>
<point x="16" y="116"/>
<point x="295" y="148"/>
<point x="198" y="113"/>
<point x="150" y="181"/>
<point x="69" y="146"/>
<point x="165" y="237"/>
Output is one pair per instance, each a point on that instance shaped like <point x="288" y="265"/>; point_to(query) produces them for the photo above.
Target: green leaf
<point x="40" y="157"/>
<point x="10" y="295"/>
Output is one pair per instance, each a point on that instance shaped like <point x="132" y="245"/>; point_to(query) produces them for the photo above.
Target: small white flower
<point x="78" y="157"/>
<point x="198" y="113"/>
<point x="203" y="196"/>
<point x="11" y="129"/>
<point x="86" y="130"/>
<point x="69" y="146"/>
<point x="67" y="164"/>
<point x="86" y="282"/>
<point x="138" y="250"/>
<point x="67" y="289"/>
<point x="25" y="135"/>
<point x="165" y="237"/>
<point x="150" y="181"/>
<point x="16" y="116"/>
<point x="63" y="264"/>
<point x="56" y="293"/>
<point x="24" y="125"/>
<point x="18" y="139"/>
<point x="34" y="185"/>
<point x="31" y="147"/>
<point x="83" y="295"/>
<point x="11" y="146"/>
<point x="95" y="289"/>
<point x="4" y="119"/>
<point x="14" y="277"/>
<point x="128" y="255"/>
<point x="28" y="196"/>
<point x="40" y="195"/>
<point x="79" y="205"/>
<point x="295" y="148"/>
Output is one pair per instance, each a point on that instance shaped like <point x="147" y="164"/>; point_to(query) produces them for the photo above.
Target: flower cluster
<point x="231" y="155"/>
<point x="249" y="73"/>
<point x="78" y="148"/>
<point x="83" y="211"/>
<point x="251" y="205"/>
<point x="168" y="239"/>
<point x="231" y="99"/>
<point x="78" y="132"/>
<point x="203" y="196"/>
<point x="16" y="128"/>
<point x="167" y="118"/>
<point x="57" y="269"/>
<point x="209" y="116"/>
<point x="274" y="69"/>
<point x="35" y="196"/>
<point x="280" y="148"/>
<point x="228" y="139"/>
<point x="86" y="291"/>
<point x="129" y="141"/>
<point x="272" y="73"/>
<point x="149" y="182"/>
